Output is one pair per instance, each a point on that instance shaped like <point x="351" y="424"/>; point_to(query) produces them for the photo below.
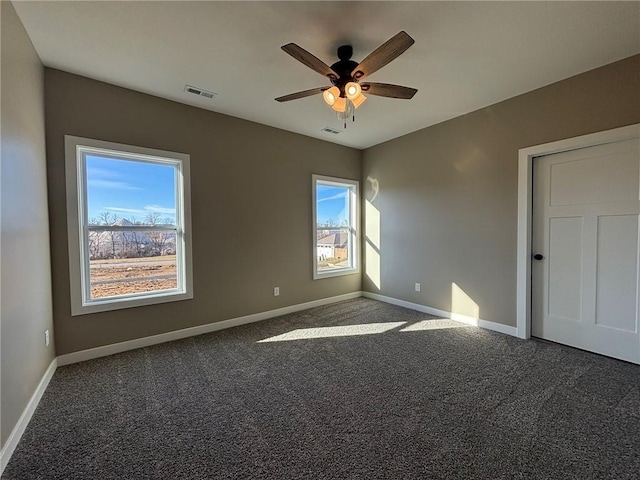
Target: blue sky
<point x="332" y="204"/>
<point x="128" y="189"/>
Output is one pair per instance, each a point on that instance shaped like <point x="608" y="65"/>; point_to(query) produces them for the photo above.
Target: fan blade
<point x="309" y="60"/>
<point x="382" y="55"/>
<point x="388" y="90"/>
<point x="305" y="93"/>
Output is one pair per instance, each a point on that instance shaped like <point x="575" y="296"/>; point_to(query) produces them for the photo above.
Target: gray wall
<point x="26" y="273"/>
<point x="447" y="195"/>
<point x="251" y="208"/>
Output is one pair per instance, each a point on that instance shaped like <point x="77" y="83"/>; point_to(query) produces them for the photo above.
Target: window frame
<point x="353" y="243"/>
<point x="78" y="227"/>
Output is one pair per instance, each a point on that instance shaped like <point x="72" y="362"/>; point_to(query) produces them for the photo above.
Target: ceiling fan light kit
<point x="331" y="95"/>
<point x="340" y="104"/>
<point x="359" y="100"/>
<point x="352" y="90"/>
<point x="345" y="75"/>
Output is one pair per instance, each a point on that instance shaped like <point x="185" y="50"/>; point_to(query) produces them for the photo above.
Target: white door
<point x="586" y="205"/>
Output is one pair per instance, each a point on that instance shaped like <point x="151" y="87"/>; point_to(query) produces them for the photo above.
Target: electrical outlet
<point x="46" y="338"/>
<point x="276" y="291"/>
<point x="417" y="287"/>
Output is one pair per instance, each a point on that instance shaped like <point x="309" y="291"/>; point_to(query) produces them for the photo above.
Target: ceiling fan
<point x="346" y="75"/>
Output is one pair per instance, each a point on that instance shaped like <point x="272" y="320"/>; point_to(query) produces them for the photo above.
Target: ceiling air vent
<point x="199" y="91"/>
<point x="331" y="130"/>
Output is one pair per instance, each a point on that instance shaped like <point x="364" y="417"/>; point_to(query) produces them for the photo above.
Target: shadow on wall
<point x="372" y="236"/>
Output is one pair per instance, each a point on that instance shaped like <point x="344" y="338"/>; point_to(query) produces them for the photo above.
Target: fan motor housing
<point x="343" y="68"/>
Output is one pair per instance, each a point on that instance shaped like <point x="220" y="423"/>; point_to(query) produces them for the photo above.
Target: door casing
<point x="526" y="157"/>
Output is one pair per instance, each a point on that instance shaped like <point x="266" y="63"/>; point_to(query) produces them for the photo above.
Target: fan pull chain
<point x="349" y="111"/>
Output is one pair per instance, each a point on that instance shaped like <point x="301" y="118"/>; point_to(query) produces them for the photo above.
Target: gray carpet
<point x="432" y="402"/>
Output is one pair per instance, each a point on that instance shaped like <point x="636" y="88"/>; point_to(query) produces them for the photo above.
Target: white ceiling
<point x="467" y="55"/>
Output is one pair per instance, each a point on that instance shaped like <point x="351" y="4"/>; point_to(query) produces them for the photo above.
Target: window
<point x="128" y="216"/>
<point x="335" y="225"/>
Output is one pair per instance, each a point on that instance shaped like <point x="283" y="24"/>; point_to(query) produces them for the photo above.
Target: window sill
<point x="112" y="303"/>
<point x="335" y="273"/>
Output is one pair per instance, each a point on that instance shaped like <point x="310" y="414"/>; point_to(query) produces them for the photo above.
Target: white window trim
<point x="74" y="146"/>
<point x="355" y="225"/>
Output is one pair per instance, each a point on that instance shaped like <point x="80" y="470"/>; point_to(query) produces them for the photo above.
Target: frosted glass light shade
<point x="352" y="90"/>
<point x="359" y="100"/>
<point x="331" y="95"/>
<point x="340" y="104"/>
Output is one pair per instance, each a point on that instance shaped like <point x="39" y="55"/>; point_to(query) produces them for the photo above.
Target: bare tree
<point x="125" y="241"/>
<point x="162" y="241"/>
<point x="95" y="240"/>
<point x="157" y="238"/>
<point x="331" y="223"/>
<point x="107" y="218"/>
<point x="169" y="243"/>
<point x="152" y="218"/>
<point x="135" y="239"/>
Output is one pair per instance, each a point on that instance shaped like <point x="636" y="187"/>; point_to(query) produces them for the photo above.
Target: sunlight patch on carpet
<point x="342" y="331"/>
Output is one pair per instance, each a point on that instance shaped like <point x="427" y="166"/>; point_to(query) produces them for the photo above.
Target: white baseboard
<point x="105" y="350"/>
<point x="23" y="421"/>
<point x="477" y="322"/>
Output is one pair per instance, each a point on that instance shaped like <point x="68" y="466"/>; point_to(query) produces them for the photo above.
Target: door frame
<point x="526" y="157"/>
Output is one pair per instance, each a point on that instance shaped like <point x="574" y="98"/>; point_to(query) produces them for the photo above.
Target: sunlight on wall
<point x="463" y="306"/>
<point x="372" y="266"/>
<point x="326" y="332"/>
<point x="372" y="240"/>
<point x="372" y="224"/>
<point x="372" y="245"/>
